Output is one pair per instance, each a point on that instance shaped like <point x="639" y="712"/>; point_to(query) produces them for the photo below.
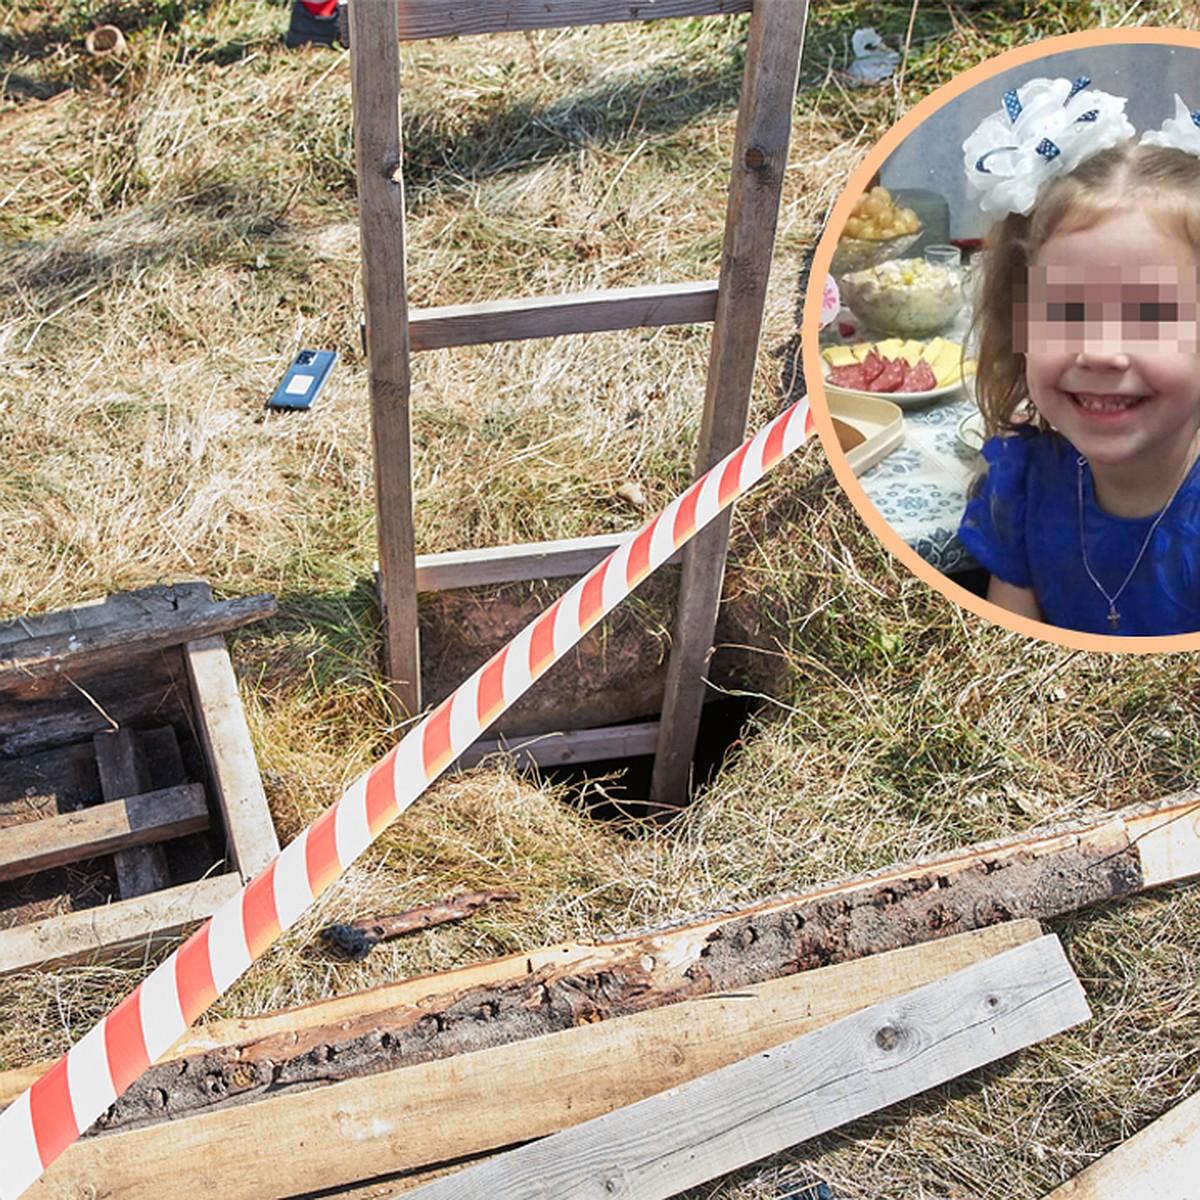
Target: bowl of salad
<point x="908" y="297"/>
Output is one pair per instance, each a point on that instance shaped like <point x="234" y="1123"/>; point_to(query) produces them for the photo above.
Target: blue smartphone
<point x="304" y="379"/>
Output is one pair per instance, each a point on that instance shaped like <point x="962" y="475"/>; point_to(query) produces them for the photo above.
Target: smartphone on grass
<point x="304" y="379"/>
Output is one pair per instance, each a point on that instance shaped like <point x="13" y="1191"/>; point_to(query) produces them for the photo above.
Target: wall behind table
<point x="1148" y="76"/>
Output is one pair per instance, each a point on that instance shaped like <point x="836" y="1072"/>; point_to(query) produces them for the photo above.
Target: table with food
<point x="898" y="376"/>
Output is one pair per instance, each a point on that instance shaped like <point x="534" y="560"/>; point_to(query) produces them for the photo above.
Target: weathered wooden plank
<point x="555" y="316"/>
<point x="53" y="653"/>
<point x="52" y="711"/>
<point x="1162" y="1161"/>
<point x="413" y="1116"/>
<point x="220" y="721"/>
<point x="102" y="829"/>
<point x="759" y="161"/>
<point x="375" y="79"/>
<point x="564" y="749"/>
<point x="119" y="608"/>
<point x="455" y="18"/>
<point x="743" y="1112"/>
<point x="55" y="710"/>
<point x="124" y="771"/>
<point x="99" y="934"/>
<point x="513" y="564"/>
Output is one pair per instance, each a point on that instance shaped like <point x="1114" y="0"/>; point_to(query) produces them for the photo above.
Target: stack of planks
<point x="647" y="1064"/>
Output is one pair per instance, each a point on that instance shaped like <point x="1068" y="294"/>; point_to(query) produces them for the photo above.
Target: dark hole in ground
<point x="617" y="789"/>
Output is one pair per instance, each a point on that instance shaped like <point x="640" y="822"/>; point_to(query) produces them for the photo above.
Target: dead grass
<point x="172" y="228"/>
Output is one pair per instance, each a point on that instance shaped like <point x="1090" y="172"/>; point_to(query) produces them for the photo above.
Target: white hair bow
<point x="1182" y="131"/>
<point x="1045" y="128"/>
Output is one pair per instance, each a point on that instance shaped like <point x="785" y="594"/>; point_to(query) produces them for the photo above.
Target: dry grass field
<point x="175" y="223"/>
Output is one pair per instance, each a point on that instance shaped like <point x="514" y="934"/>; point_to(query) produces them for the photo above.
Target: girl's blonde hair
<point x="1166" y="184"/>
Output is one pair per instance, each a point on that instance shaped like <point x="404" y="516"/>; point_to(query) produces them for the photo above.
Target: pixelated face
<point x="1110" y="329"/>
<point x="1079" y="308"/>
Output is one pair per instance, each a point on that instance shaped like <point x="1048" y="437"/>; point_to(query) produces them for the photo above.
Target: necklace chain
<point x="1114" y="617"/>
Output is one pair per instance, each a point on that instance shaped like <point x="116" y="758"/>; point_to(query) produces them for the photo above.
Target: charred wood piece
<point x="358" y="939"/>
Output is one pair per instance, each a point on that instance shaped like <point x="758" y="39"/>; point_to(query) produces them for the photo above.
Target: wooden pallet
<point x="130" y="800"/>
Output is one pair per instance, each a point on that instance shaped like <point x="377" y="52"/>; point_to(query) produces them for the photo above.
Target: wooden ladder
<point x="734" y="304"/>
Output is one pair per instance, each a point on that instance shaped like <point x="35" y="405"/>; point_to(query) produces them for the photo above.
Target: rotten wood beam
<point x="750" y="1109"/>
<point x="1038" y="876"/>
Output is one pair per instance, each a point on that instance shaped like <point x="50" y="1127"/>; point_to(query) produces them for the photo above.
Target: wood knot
<point x="887" y="1038"/>
<point x="755" y="158"/>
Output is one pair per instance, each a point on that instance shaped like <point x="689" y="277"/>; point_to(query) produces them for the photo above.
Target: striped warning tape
<point x="36" y="1128"/>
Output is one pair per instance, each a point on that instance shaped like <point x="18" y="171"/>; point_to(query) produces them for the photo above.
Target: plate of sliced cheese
<point x="907" y="372"/>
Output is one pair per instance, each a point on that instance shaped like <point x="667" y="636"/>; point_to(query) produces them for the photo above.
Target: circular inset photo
<point x="1008" y="381"/>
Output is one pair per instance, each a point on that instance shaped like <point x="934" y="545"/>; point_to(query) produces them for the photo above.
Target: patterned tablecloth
<point x="920" y="489"/>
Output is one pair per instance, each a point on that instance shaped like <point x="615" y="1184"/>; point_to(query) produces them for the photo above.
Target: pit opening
<point x="618" y="789"/>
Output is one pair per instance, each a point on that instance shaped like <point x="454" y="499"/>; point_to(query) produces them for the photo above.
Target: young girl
<point x="1088" y="514"/>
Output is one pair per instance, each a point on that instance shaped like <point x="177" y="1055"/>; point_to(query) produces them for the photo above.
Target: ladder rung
<point x="515" y="564"/>
<point x="553" y="316"/>
<point x="453" y="18"/>
<point x="568" y="748"/>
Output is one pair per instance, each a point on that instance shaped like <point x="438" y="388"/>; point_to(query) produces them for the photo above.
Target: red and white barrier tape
<point x="36" y="1128"/>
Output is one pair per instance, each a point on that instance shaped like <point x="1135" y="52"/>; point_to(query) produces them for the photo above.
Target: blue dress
<point x="1022" y="524"/>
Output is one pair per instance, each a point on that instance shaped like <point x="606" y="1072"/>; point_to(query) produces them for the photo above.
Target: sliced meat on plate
<point x="920" y="378"/>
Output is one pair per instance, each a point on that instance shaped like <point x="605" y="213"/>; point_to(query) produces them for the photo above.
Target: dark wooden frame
<point x="87" y="678"/>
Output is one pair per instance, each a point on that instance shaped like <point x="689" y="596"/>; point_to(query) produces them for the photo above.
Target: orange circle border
<point x="822" y="259"/>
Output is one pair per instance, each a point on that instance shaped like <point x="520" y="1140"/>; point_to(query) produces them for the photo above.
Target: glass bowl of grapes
<point x="877" y="229"/>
